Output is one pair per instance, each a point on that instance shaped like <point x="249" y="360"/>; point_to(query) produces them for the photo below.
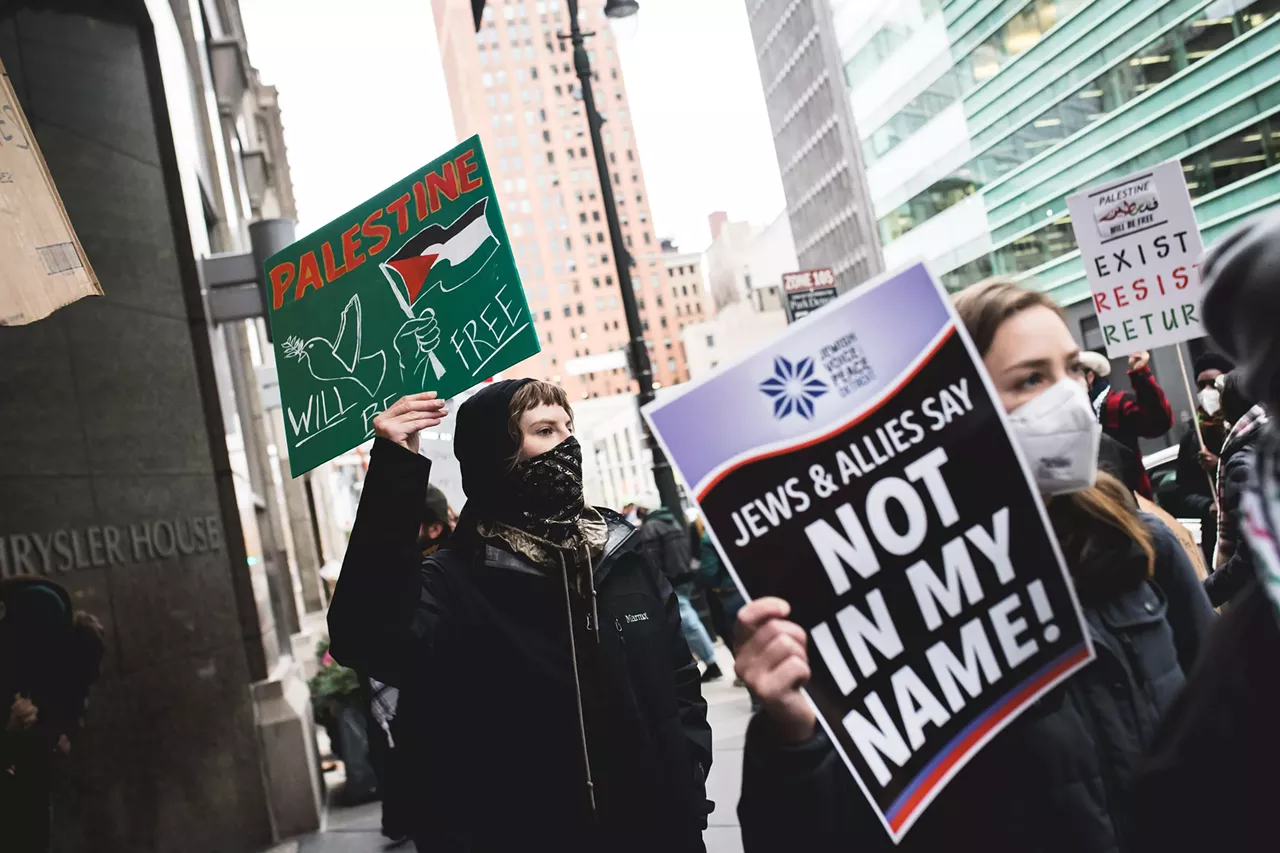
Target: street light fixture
<point x="662" y="473"/>
<point x="621" y="8"/>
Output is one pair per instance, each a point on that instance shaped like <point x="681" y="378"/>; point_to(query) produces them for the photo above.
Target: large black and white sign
<point x="861" y="468"/>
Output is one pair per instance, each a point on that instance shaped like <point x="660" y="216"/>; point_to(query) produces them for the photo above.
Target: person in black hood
<point x="1204" y="784"/>
<point x="548" y="698"/>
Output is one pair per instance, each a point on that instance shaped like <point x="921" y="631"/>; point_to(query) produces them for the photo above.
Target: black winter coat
<point x="665" y="544"/>
<point x="480" y="644"/>
<point x="1193" y="488"/>
<point x="1207" y="783"/>
<point x="1193" y="497"/>
<point x="1058" y="780"/>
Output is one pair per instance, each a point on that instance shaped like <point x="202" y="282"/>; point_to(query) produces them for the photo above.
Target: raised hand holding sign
<point x="408" y="416"/>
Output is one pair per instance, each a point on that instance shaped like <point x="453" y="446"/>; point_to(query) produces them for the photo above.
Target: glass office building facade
<point x="978" y="117"/>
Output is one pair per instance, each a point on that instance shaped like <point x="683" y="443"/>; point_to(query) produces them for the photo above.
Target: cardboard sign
<point x="860" y="467"/>
<point x="1141" y="248"/>
<point x="42" y="265"/>
<point x="414" y="290"/>
<point x="807" y="291"/>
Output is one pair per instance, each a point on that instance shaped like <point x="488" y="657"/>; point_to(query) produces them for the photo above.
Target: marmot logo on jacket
<point x="636" y="617"/>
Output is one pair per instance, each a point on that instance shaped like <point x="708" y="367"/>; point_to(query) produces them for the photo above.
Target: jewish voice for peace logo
<point x="793" y="388"/>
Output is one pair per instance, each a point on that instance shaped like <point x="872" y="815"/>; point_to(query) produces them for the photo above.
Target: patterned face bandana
<point x="548" y="492"/>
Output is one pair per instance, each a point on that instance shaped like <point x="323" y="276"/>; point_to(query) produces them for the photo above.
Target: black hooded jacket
<point x="481" y="641"/>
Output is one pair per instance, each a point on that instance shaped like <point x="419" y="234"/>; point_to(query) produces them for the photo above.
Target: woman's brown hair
<point x="1102" y="517"/>
<point x="531" y="395"/>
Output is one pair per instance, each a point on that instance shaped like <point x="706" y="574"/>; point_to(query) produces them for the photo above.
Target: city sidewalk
<point x="356" y="830"/>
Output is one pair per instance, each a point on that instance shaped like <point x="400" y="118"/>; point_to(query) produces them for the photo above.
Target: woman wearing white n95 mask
<point x="1060" y="777"/>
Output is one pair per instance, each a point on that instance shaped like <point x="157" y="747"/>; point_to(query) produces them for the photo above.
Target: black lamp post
<point x="662" y="474"/>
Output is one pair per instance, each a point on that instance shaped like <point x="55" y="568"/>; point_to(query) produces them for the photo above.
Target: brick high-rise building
<point x="512" y="81"/>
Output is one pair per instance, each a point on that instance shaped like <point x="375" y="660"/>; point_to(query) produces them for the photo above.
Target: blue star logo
<point x="793" y="388"/>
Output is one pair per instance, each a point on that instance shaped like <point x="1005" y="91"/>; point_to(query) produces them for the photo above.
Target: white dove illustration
<point x="341" y="360"/>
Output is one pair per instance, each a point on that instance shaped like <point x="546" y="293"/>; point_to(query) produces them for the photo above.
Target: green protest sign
<point x="414" y="290"/>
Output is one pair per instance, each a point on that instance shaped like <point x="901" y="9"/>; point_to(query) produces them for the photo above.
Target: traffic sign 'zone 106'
<point x="807" y="291"/>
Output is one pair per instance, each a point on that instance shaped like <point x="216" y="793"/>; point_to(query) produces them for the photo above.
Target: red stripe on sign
<point x="841" y="428"/>
<point x="994" y="719"/>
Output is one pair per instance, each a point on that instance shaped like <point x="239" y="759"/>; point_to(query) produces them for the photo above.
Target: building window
<point x="671" y="364"/>
<point x="568" y="312"/>
<point x="546" y="314"/>
<point x="580" y="310"/>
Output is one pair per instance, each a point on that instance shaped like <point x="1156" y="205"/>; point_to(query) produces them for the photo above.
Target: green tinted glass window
<point x="1145" y="69"/>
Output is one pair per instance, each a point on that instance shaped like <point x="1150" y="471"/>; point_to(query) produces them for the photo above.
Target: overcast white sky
<point x="364" y="104"/>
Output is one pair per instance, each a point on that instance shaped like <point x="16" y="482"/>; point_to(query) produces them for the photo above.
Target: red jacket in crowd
<point x="1143" y="412"/>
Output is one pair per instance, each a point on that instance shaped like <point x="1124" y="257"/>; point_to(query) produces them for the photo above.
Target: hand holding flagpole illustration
<point x="440" y="257"/>
<point x="416" y="342"/>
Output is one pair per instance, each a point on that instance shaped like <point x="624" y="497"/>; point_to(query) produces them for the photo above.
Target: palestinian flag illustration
<point x="447" y="256"/>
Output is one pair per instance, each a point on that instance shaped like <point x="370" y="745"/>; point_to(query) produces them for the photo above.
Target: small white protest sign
<point x="1141" y="247"/>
